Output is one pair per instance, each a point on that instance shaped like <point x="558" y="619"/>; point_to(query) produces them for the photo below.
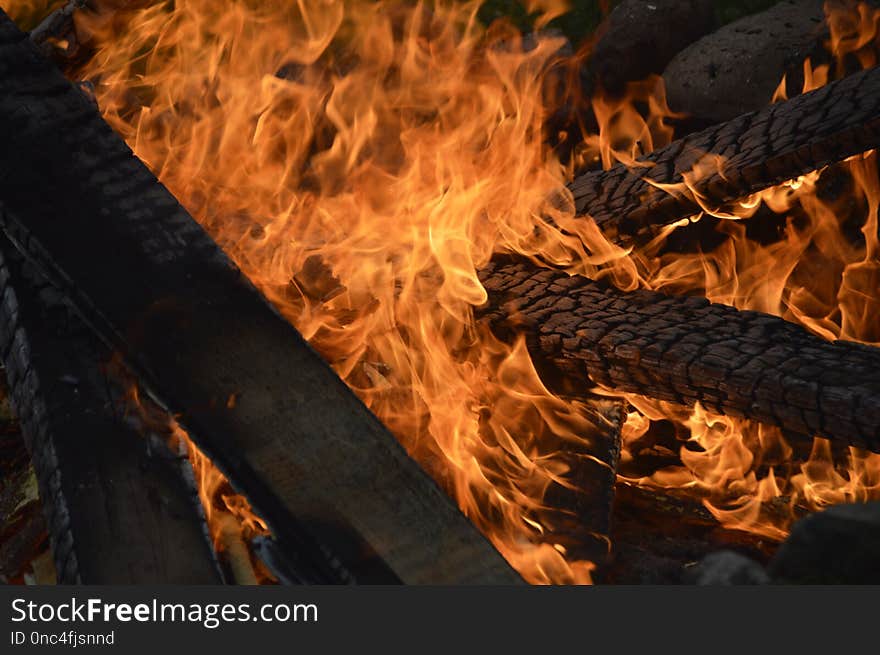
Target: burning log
<point x="115" y="513"/>
<point x="313" y="461"/>
<point x="687" y="350"/>
<point x="732" y="160"/>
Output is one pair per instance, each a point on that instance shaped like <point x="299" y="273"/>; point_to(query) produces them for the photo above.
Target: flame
<point x="27" y="14"/>
<point x="624" y="132"/>
<point x="815" y="272"/>
<point x="228" y="514"/>
<point x="361" y="161"/>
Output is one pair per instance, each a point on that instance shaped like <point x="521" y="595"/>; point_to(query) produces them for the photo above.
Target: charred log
<point x="579" y="504"/>
<point x="313" y="461"/>
<point x="658" y="536"/>
<point x="116" y="507"/>
<point x="735" y="159"/>
<point x="687" y="350"/>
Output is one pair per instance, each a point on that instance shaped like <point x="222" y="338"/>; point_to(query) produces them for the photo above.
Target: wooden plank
<point x="117" y="508"/>
<point x="579" y="504"/>
<point x="308" y="454"/>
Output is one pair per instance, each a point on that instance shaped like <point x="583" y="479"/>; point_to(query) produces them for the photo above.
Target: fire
<point x="232" y="522"/>
<point x="625" y="134"/>
<point x="31" y="12"/>
<point x="361" y="161"/>
<point x="814" y="272"/>
<point x="816" y="275"/>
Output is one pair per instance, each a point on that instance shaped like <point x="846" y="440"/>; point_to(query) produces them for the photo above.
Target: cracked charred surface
<point x="740" y="157"/>
<point x="688" y="350"/>
<point x="115" y="506"/>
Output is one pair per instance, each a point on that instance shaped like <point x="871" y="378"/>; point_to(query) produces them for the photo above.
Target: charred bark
<point x="756" y="150"/>
<point x="687" y="350"/>
<point x="313" y="461"/>
<point x="116" y="506"/>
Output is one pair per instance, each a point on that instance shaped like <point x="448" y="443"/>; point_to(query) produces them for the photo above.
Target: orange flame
<point x="817" y="273"/>
<point x="361" y="161"/>
<point x="215" y="492"/>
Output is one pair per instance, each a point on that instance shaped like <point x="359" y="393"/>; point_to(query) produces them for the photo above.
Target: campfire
<point x="589" y="323"/>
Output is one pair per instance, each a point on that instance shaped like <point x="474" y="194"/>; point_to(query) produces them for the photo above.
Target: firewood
<point x="660" y="534"/>
<point x="58" y="24"/>
<point x="313" y="461"/>
<point x="235" y="551"/>
<point x="579" y="504"/>
<point x="114" y="513"/>
<point x="688" y="350"/>
<point x="735" y="159"/>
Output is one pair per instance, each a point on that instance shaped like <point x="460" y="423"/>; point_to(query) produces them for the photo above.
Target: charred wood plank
<point x="756" y="151"/>
<point x="658" y="535"/>
<point x="116" y="507"/>
<point x="578" y="505"/>
<point x="687" y="350"/>
<point x="313" y="461"/>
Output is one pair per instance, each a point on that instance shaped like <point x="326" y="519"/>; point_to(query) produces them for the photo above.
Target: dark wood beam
<point x="116" y="506"/>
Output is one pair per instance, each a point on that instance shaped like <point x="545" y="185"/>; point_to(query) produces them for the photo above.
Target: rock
<point x="727" y="567"/>
<point x="840" y="545"/>
<point x="736" y="69"/>
<point x="639" y="37"/>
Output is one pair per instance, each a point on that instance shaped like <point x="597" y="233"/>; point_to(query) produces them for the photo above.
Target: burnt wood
<point x="757" y="150"/>
<point x="578" y="504"/>
<point x="116" y="506"/>
<point x="313" y="461"/>
<point x="659" y="534"/>
<point x="688" y="350"/>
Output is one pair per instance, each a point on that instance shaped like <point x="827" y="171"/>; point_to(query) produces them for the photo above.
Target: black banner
<point x="415" y="619"/>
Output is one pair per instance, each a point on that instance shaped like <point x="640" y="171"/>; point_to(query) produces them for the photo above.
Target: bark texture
<point x="756" y="150"/>
<point x="687" y="350"/>
<point x="737" y="68"/>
